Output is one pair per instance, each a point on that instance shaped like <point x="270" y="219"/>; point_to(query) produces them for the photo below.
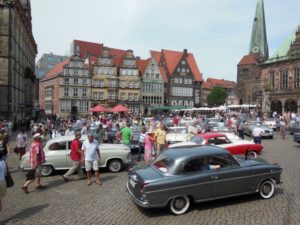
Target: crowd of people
<point x="100" y="129"/>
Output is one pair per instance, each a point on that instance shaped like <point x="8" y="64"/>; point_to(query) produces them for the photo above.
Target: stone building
<point x="227" y="85"/>
<point x="18" y="50"/>
<point x="105" y="80"/>
<point x="129" y="83"/>
<point x="66" y="89"/>
<point x="152" y="85"/>
<point x="271" y="83"/>
<point x="184" y="80"/>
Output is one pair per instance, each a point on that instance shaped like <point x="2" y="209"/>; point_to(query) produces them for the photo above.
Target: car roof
<point x="195" y="150"/>
<point x="211" y="135"/>
<point x="66" y="138"/>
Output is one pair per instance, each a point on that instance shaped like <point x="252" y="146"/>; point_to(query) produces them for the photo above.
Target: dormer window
<point x="183" y="62"/>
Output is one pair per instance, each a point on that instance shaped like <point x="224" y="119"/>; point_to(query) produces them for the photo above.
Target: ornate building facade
<point x="152" y="86"/>
<point x="17" y="58"/>
<point x="272" y="83"/>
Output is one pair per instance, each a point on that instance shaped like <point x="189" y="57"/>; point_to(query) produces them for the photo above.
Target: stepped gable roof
<point x="142" y="64"/>
<point x="57" y="69"/>
<point x="248" y="60"/>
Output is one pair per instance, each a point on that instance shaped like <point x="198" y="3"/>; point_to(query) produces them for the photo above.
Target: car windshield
<point x="163" y="163"/>
<point x="177" y="130"/>
<point x="198" y="140"/>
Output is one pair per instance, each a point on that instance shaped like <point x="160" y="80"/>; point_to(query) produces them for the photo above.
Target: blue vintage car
<point x="196" y="174"/>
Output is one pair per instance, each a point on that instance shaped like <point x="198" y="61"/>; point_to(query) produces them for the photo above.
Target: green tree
<point x="217" y="96"/>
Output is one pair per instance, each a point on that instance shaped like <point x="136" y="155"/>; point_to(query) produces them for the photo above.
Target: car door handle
<point x="214" y="177"/>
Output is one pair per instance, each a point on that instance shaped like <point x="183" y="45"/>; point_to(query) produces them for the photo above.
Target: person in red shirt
<point x="36" y="159"/>
<point x="176" y="121"/>
<point x="76" y="156"/>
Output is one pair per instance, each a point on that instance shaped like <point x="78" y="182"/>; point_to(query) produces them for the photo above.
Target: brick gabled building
<point x="184" y="79"/>
<point x="227" y="85"/>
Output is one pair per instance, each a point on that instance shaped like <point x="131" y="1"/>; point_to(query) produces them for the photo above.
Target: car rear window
<point x="163" y="163"/>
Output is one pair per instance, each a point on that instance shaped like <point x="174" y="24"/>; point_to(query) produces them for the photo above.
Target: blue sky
<point x="217" y="32"/>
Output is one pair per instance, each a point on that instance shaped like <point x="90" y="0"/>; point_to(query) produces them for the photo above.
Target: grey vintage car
<point x="57" y="153"/>
<point x="297" y="138"/>
<point x="268" y="132"/>
<point x="196" y="174"/>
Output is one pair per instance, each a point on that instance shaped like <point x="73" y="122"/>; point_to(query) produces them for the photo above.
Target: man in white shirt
<point x="90" y="147"/>
<point x="257" y="133"/>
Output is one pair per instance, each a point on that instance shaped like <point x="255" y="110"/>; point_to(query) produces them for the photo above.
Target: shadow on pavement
<point x="155" y="212"/>
<point x="25" y="213"/>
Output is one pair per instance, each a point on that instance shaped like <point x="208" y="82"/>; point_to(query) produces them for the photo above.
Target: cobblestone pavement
<point x="76" y="203"/>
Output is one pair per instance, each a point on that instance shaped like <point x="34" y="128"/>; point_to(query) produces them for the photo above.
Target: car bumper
<point x="139" y="202"/>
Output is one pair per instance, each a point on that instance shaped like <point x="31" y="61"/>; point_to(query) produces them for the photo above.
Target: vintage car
<point x="268" y="132"/>
<point x="297" y="137"/>
<point x="196" y="174"/>
<point x="178" y="134"/>
<point x="271" y="123"/>
<point x="234" y="146"/>
<point x="57" y="152"/>
<point x="294" y="127"/>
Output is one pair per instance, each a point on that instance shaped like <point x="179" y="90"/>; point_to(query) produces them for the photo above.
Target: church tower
<point x="259" y="44"/>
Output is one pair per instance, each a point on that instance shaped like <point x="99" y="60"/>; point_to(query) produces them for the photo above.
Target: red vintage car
<point x="234" y="146"/>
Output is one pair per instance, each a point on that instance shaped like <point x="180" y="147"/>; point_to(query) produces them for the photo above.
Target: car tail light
<point x="143" y="186"/>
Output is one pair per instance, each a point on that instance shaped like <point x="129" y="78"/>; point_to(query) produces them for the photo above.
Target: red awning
<point x="119" y="108"/>
<point x="98" y="108"/>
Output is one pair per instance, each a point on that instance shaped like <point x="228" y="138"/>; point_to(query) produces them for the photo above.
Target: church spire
<point x="259" y="43"/>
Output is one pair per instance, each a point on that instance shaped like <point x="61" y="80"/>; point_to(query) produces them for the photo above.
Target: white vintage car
<point x="57" y="152"/>
<point x="178" y="134"/>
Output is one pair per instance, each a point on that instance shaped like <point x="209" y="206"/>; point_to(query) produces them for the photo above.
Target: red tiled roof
<point x="93" y="49"/>
<point x="156" y="55"/>
<point x="92" y="60"/>
<point x="193" y="65"/>
<point x="142" y="64"/>
<point x="118" y="53"/>
<point x="172" y="59"/>
<point x="58" y="68"/>
<point x="227" y="84"/>
<point x="207" y="85"/>
<point x="163" y="74"/>
<point x="248" y="60"/>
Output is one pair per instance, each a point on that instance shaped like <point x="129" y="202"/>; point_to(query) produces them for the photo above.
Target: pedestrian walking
<point x="283" y="128"/>
<point x="21" y="142"/>
<point x="76" y="156"/>
<point x="90" y="147"/>
<point x="36" y="159"/>
<point x="257" y="134"/>
<point x="4" y="147"/>
<point x="141" y="142"/>
<point x="126" y="135"/>
<point x="2" y="180"/>
<point x="241" y="129"/>
<point x="101" y="134"/>
<point x="149" y="147"/>
<point x="160" y="139"/>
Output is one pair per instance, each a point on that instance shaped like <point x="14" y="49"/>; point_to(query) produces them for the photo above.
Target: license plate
<point x="132" y="183"/>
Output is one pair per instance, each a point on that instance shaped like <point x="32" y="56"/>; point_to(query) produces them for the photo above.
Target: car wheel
<point x="179" y="205"/>
<point x="47" y="170"/>
<point x="271" y="137"/>
<point x="251" y="155"/>
<point x="114" y="165"/>
<point x="267" y="189"/>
